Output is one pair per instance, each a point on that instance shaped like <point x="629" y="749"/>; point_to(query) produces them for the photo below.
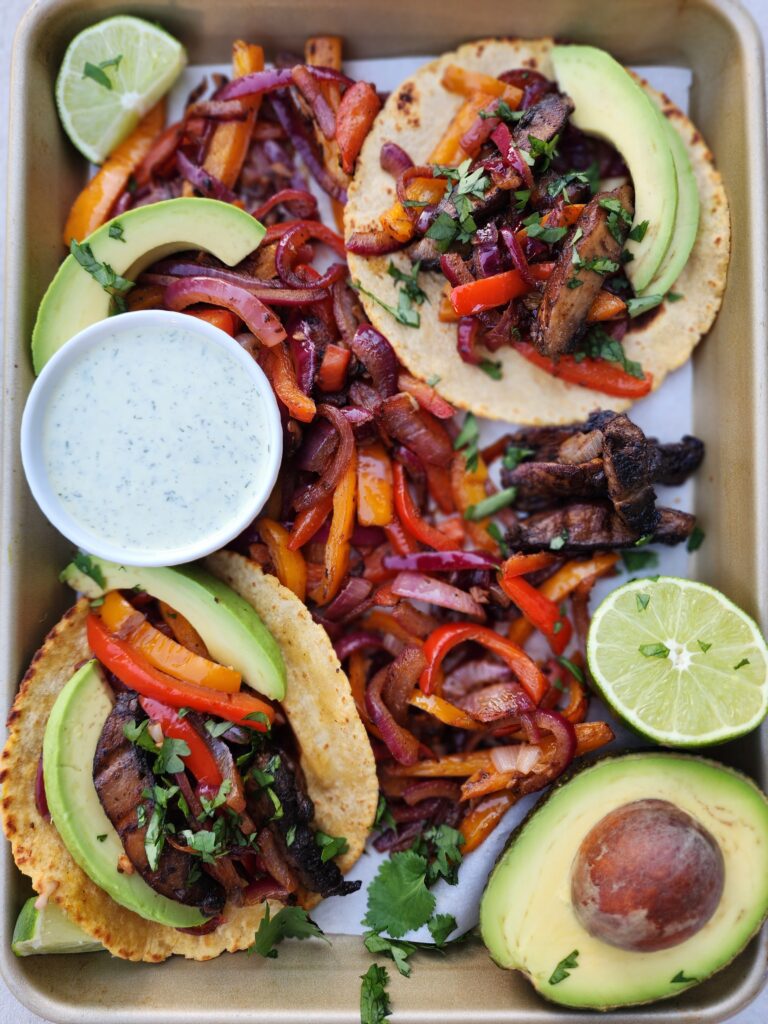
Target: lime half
<point x="111" y="75"/>
<point x="679" y="661"/>
<point x="49" y="931"/>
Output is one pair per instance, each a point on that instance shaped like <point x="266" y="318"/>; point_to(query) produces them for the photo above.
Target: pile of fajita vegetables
<point x="385" y="520"/>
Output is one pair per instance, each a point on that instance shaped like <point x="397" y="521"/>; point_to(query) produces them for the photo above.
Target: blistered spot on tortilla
<point x="406" y="97"/>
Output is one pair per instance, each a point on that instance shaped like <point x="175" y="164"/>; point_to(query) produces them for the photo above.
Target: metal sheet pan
<point x="310" y="984"/>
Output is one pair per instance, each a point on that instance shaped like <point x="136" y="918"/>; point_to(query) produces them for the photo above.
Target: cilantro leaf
<point x="216" y="729"/>
<point x="404" y="313"/>
<point x="331" y="846"/>
<point x="440" y="927"/>
<point x="493" y="369"/>
<point x="564" y="968"/>
<point x="205" y="843"/>
<point x="703" y="645"/>
<point x="89" y="568"/>
<point x="116" y="231"/>
<point x="619" y="219"/>
<point x="468" y="439"/>
<point x="545" y="150"/>
<point x="637" y="234"/>
<point x="560" y="541"/>
<point x="440" y="846"/>
<point x="288" y="923"/>
<point x="636" y="560"/>
<point x="97" y="71"/>
<point x="740" y="664"/>
<point x="383" y="817"/>
<point x="169" y="757"/>
<point x="443" y="230"/>
<point x="561" y="184"/>
<point x="494" y="531"/>
<point x="696" y="539"/>
<point x="211" y="804"/>
<point x="642" y="601"/>
<point x="374" y="1001"/>
<point x="514" y="455"/>
<point x="112" y="283"/>
<point x="536" y="229"/>
<point x="398" y="898"/>
<point x="654" y="650"/>
<point x="522" y="196"/>
<point x="681" y="979"/>
<point x="503" y="111"/>
<point x="597" y="344"/>
<point x="409" y="282"/>
<point x="571" y="667"/>
<point x="398" y="949"/>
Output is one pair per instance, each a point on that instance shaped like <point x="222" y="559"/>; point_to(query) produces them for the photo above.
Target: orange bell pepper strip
<point x="231" y="139"/>
<point x="221" y="318"/>
<point x="337" y="548"/>
<point x="466" y="83"/>
<point x="145" y="296"/>
<point x="324" y="52"/>
<point x="375" y="506"/>
<point x="562" y="217"/>
<point x="445" y="638"/>
<point x="452" y="766"/>
<point x="468" y="488"/>
<point x="92" y="207"/>
<point x="521" y="565"/>
<point x="439" y="487"/>
<point x="425" y="395"/>
<point x="561" y="584"/>
<point x="308" y="522"/>
<point x="358" y="108"/>
<point x="290" y="567"/>
<point x="278" y="366"/>
<point x="538" y="610"/>
<point x="478" y="823"/>
<point x="606" y="306"/>
<point x="596" y="374"/>
<point x="183" y="630"/>
<point x="135" y="671"/>
<point x="200" y="761"/>
<point x="333" y="368"/>
<point x="419" y="190"/>
<point x="446" y="314"/>
<point x="443" y="710"/>
<point x="410" y="518"/>
<point x="449" y="151"/>
<point x="497" y="290"/>
<point x="160" y="650"/>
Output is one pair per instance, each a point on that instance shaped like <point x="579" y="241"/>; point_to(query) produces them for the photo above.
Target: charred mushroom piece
<point x="629" y="461"/>
<point x="677" y="461"/>
<point x="590" y="252"/>
<point x="540" y="484"/>
<point x="121" y="774"/>
<point x="544" y="120"/>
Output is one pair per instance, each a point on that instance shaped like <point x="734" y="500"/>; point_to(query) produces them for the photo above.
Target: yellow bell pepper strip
<point x="337" y="548"/>
<point x="478" y="823"/>
<point x="606" y="306"/>
<point x="200" y="761"/>
<point x="419" y="190"/>
<point x="445" y="638"/>
<point x="468" y="489"/>
<point x="597" y="374"/>
<point x="443" y="710"/>
<point x="497" y="290"/>
<point x="160" y="650"/>
<point x="278" y="366"/>
<point x="539" y="610"/>
<point x="92" y="207"/>
<point x="410" y="519"/>
<point x="375" y="506"/>
<point x="183" y="630"/>
<point x="562" y="583"/>
<point x="135" y="671"/>
<point x="466" y="83"/>
<point x="230" y="141"/>
<point x="290" y="567"/>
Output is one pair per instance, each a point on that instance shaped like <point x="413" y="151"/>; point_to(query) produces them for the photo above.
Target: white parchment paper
<point x="666" y="414"/>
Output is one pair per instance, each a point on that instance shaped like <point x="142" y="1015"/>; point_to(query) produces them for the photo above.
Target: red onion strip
<point x="425" y="588"/>
<point x="440" y="561"/>
<point x="402" y="744"/>
<point x="256" y="83"/>
<point x="260" y="320"/>
<point x="204" y="182"/>
<point x="327" y="482"/>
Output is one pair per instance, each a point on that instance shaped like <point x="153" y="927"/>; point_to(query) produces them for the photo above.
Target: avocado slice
<point x="527" y="918"/>
<point x="612" y="106"/>
<point x="75" y="300"/>
<point x="230" y="628"/>
<point x="686" y="219"/>
<point x="69" y="745"/>
<point x="49" y="930"/>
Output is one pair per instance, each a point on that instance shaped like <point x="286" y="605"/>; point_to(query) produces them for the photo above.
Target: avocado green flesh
<point x="69" y="745"/>
<point x="75" y="300"/>
<point x="613" y="107"/>
<point x="231" y="630"/>
<point x="686" y="220"/>
<point x="49" y="930"/>
<point x="526" y="916"/>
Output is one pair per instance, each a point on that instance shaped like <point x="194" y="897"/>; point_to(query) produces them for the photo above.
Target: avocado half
<point x="526" y="916"/>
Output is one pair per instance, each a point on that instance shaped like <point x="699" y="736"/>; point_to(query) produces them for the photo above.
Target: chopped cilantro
<point x="563" y="970"/>
<point x="288" y="923"/>
<point x="514" y="455"/>
<point x="434" y="380"/>
<point x="641" y="304"/>
<point x="404" y="312"/>
<point x="374" y="1001"/>
<point x="696" y="539"/>
<point x="116" y="231"/>
<point x="597" y="344"/>
<point x="383" y="817"/>
<point x="398" y="949"/>
<point x="704" y="646"/>
<point x="490" y="505"/>
<point x="331" y="846"/>
<point x="440" y="927"/>
<point x="466" y="184"/>
<point x="398" y="898"/>
<point x="98" y="71"/>
<point x="493" y="369"/>
<point x="635" y="560"/>
<point x="102" y="837"/>
<point x="559" y="541"/>
<point x="536" y="229"/>
<point x="467" y="440"/>
<point x="561" y="184"/>
<point x="642" y="601"/>
<point x="216" y="729"/>
<point x="522" y="196"/>
<point x="599" y="264"/>
<point x="654" y="650"/>
<point x="572" y="668"/>
<point x="492" y="529"/>
<point x="89" y="568"/>
<point x="673" y="296"/>
<point x="545" y="150"/>
<point x="111" y="282"/>
<point x="619" y="219"/>
<point x="409" y="293"/>
<point x="637" y="234"/>
<point x="260" y="717"/>
<point x="503" y="111"/>
<point x="204" y="843"/>
<point x="211" y="804"/>
<point x="592" y="174"/>
<point x="575" y="282"/>
<point x="741" y="664"/>
<point x="290" y="836"/>
<point x="681" y="979"/>
<point x="441" y="845"/>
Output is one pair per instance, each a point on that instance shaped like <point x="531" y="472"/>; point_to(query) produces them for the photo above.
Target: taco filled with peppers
<point x="562" y="222"/>
<point x="151" y="793"/>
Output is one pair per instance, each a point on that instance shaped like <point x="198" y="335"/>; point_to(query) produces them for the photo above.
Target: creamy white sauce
<point x="155" y="439"/>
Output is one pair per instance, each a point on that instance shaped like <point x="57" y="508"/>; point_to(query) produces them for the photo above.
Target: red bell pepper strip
<point x="200" y="760"/>
<point x="497" y="290"/>
<point x="538" y="610"/>
<point x="399" y="540"/>
<point x="410" y="518"/>
<point x="597" y="374"/>
<point x="224" y="319"/>
<point x="359" y="106"/>
<point x="308" y="522"/>
<point x="521" y="565"/>
<point x="445" y="638"/>
<point x="333" y="368"/>
<point x="134" y="671"/>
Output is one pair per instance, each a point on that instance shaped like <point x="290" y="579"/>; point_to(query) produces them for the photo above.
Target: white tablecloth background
<point x="11" y="1011"/>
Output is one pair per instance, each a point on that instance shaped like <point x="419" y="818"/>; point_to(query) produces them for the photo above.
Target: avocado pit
<point x="646" y="877"/>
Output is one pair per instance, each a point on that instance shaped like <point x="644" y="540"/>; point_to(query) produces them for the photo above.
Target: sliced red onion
<point x="440" y="561"/>
<point x="260" y="320"/>
<point x="347" y="311"/>
<point x="373" y="242"/>
<point x="265" y="290"/>
<point x="564" y="735"/>
<point x="301" y="203"/>
<point x="328" y="481"/>
<point x="518" y="257"/>
<point x="304" y="352"/>
<point x="455" y="269"/>
<point x="318" y="446"/>
<point x="431" y="789"/>
<point x="402" y="678"/>
<point x="425" y="588"/>
<point x="378" y="357"/>
<point x="329" y="74"/>
<point x="497" y="701"/>
<point x="367" y="536"/>
<point x="41" y="801"/>
<point x="313" y="94"/>
<point x="297" y="131"/>
<point x="466" y="339"/>
<point x="257" y="83"/>
<point x="204" y="182"/>
<point x="396" y="840"/>
<point x="520" y="758"/>
<point x="415" y="812"/>
<point x="203" y="929"/>
<point x="403" y="420"/>
<point x="401" y="743"/>
<point x="358" y="641"/>
<point x="287" y="255"/>
<point x="353" y="592"/>
<point x="393" y="159"/>
<point x="488" y="260"/>
<point x="264" y="889"/>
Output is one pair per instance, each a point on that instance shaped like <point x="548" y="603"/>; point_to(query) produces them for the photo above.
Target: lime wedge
<point x="111" y="75"/>
<point x="49" y="931"/>
<point x="679" y="662"/>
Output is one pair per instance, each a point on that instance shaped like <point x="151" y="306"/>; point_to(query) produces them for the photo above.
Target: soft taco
<point x="166" y="814"/>
<point x="554" y="206"/>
